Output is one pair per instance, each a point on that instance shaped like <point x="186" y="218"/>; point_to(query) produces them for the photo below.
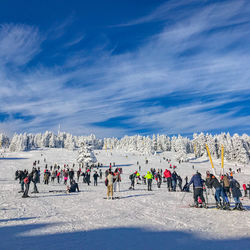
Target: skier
<point x="167" y="175"/>
<point x="95" y="175"/>
<point x="132" y="179"/>
<point x="149" y="177"/>
<point x="219" y="192"/>
<point x="21" y="176"/>
<point x="71" y="175"/>
<point x="46" y="176"/>
<point x="198" y="182"/>
<point x="245" y="189"/>
<point x="58" y="176"/>
<point x="117" y="180"/>
<point x="110" y="185"/>
<point x="87" y="176"/>
<point x="34" y="179"/>
<point x="236" y="193"/>
<point x="179" y="179"/>
<point x="100" y="173"/>
<point x="225" y="184"/>
<point x="158" y="179"/>
<point x="174" y="181"/>
<point x="27" y="185"/>
<point x="78" y="174"/>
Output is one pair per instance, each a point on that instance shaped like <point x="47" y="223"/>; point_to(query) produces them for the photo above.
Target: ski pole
<point x="183" y="197"/>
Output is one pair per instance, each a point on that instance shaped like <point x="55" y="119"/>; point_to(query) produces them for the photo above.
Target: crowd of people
<point x="223" y="188"/>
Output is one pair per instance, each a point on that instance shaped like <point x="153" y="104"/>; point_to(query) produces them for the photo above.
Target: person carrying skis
<point x="149" y="176"/>
<point x="236" y="193"/>
<point x="198" y="182"/>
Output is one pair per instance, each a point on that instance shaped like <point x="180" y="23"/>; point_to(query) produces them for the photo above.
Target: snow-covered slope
<point x="139" y="220"/>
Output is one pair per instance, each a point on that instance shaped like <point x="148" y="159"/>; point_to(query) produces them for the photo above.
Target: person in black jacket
<point x="35" y="178"/>
<point x="21" y="176"/>
<point x="95" y="175"/>
<point x="198" y="182"/>
<point x="219" y="192"/>
<point x="71" y="175"/>
<point x="236" y="193"/>
<point x="73" y="187"/>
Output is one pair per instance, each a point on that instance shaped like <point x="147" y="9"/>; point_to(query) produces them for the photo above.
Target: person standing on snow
<point x="236" y="193"/>
<point x="117" y="180"/>
<point x="132" y="179"/>
<point x="95" y="176"/>
<point x="167" y="175"/>
<point x="219" y="192"/>
<point x="149" y="177"/>
<point x="35" y="178"/>
<point x="174" y="181"/>
<point x="110" y="180"/>
<point x="27" y="185"/>
<point x="198" y="182"/>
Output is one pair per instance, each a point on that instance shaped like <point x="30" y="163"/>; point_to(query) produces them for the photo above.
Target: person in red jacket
<point x="167" y="175"/>
<point x="245" y="189"/>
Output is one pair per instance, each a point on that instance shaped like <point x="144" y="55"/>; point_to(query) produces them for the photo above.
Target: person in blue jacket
<point x="198" y="182"/>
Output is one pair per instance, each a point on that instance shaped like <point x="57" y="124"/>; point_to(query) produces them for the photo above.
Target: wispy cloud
<point x="202" y="51"/>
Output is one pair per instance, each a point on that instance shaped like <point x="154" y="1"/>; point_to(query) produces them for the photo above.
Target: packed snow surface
<point x="138" y="220"/>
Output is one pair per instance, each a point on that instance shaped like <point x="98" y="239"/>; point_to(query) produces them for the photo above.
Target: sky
<point x="126" y="67"/>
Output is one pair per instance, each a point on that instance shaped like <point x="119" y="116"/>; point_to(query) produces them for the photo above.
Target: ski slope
<point x="138" y="220"/>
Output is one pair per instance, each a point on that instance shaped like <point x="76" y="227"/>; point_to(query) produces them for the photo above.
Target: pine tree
<point x="86" y="155"/>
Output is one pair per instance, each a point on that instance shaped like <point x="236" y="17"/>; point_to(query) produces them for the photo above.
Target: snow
<point x="139" y="220"/>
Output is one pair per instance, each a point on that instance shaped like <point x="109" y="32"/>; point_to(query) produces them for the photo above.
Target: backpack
<point x="237" y="184"/>
<point x="106" y="182"/>
<point x="26" y="180"/>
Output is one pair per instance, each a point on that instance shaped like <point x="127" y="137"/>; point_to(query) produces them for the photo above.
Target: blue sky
<point x="124" y="67"/>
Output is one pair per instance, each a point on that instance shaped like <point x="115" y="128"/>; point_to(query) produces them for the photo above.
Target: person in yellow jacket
<point x="149" y="177"/>
<point x="137" y="177"/>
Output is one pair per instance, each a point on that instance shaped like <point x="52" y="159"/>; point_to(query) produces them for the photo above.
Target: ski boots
<point x="204" y="205"/>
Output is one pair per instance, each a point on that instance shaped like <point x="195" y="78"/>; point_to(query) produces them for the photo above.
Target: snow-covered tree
<point x="86" y="155"/>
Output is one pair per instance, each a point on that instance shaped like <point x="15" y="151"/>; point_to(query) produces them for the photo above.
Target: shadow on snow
<point x="19" y="237"/>
<point x="14" y="158"/>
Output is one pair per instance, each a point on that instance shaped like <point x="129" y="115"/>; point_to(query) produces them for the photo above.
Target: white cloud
<point x="197" y="54"/>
